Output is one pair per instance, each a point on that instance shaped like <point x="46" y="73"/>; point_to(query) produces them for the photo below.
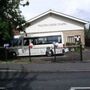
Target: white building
<point x="52" y="22"/>
<point x="49" y="28"/>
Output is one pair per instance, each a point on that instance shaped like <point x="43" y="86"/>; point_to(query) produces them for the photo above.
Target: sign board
<point x="30" y="45"/>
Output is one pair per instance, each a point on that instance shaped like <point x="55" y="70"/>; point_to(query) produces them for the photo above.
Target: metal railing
<point x="71" y="53"/>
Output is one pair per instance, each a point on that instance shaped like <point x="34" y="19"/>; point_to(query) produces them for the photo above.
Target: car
<point x="7" y="53"/>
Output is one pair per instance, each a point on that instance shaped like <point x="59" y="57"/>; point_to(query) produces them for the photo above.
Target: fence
<point x="72" y="53"/>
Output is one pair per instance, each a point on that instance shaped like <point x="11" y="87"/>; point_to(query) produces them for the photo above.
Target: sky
<point x="76" y="8"/>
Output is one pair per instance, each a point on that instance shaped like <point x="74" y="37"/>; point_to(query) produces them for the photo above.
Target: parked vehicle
<point x="7" y="53"/>
<point x="40" y="44"/>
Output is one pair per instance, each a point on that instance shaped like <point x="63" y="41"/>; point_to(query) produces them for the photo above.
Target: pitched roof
<point x="57" y="13"/>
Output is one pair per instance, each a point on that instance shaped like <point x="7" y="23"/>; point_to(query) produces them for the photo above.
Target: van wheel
<point x="49" y="53"/>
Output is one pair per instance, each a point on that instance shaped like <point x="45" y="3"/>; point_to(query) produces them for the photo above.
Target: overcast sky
<point x="77" y="8"/>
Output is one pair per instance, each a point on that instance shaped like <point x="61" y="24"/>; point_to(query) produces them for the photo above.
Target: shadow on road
<point x="16" y="80"/>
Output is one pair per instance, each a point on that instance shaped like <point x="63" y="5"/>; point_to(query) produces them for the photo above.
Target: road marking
<point x="11" y="70"/>
<point x="2" y="88"/>
<point x="80" y="88"/>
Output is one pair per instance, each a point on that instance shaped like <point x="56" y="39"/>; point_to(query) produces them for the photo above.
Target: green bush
<point x="69" y="44"/>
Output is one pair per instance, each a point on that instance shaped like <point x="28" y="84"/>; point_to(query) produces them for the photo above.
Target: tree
<point x="87" y="31"/>
<point x="87" y="34"/>
<point x="10" y="17"/>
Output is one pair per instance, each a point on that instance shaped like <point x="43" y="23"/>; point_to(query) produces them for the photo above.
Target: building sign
<point x="52" y="24"/>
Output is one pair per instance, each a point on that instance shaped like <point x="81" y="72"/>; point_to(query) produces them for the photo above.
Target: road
<point x="44" y="81"/>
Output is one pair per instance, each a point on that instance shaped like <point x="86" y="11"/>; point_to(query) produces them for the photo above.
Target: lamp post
<point x="6" y="49"/>
<point x="55" y="46"/>
<point x="22" y="36"/>
<point x="78" y="39"/>
<point x="30" y="46"/>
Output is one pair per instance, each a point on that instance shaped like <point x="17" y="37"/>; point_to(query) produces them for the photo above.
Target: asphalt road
<point x="43" y="81"/>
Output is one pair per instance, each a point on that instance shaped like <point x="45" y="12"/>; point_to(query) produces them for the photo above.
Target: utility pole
<point x="81" y="56"/>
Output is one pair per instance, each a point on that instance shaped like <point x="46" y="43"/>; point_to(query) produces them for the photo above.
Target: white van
<point x="41" y="44"/>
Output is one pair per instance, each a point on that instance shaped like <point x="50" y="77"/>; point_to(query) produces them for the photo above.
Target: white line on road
<point x="11" y="70"/>
<point x="80" y="88"/>
<point x="2" y="88"/>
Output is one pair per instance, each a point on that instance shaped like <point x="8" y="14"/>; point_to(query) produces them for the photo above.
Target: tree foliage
<point x="10" y="17"/>
<point x="87" y="31"/>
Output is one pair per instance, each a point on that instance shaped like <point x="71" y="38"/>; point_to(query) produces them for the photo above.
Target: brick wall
<point x="73" y="33"/>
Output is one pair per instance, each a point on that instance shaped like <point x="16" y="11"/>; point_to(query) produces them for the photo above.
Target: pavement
<point x="51" y="67"/>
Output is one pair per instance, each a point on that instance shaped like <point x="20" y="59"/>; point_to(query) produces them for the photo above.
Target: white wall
<point x="51" y="24"/>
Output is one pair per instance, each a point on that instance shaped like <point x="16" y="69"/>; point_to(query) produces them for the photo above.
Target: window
<point x="26" y="42"/>
<point x="42" y="40"/>
<point x="46" y="40"/>
<point x="71" y="39"/>
<point x="38" y="40"/>
<point x="16" y="42"/>
<point x="52" y="39"/>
